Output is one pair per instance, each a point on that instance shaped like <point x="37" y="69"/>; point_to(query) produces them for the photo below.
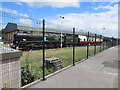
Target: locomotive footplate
<point x="53" y="62"/>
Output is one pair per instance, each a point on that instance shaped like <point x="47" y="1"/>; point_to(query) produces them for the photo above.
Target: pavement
<point x="100" y="71"/>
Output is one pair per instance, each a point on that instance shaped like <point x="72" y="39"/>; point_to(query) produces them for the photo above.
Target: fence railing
<point x="69" y="54"/>
<point x="44" y="51"/>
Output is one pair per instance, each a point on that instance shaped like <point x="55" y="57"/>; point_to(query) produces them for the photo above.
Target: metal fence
<point x="45" y="49"/>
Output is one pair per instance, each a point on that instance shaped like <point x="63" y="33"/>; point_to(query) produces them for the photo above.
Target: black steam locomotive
<point x="34" y="41"/>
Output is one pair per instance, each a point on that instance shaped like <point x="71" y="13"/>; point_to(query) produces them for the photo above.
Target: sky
<point x="85" y="16"/>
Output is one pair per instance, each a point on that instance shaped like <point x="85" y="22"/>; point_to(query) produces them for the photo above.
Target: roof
<point x="13" y="26"/>
<point x="10" y="27"/>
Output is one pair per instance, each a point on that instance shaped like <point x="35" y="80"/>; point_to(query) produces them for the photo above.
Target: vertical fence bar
<point x="88" y="45"/>
<point x="100" y="42"/>
<point x="109" y="43"/>
<point x="73" y="46"/>
<point x="106" y="42"/>
<point x="95" y="45"/>
<point x="112" y="41"/>
<point x="103" y="43"/>
<point x="43" y="50"/>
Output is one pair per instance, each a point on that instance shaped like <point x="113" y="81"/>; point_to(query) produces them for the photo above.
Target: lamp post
<point x="95" y="45"/>
<point x="103" y="38"/>
<point x="80" y="35"/>
<point x="61" y="33"/>
<point x="38" y="23"/>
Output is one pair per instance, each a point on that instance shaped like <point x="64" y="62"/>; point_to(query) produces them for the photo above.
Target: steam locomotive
<point x="34" y="41"/>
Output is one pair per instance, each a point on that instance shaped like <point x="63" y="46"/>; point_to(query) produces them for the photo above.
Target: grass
<point x="34" y="58"/>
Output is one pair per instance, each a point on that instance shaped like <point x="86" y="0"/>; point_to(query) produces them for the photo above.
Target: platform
<point x="100" y="71"/>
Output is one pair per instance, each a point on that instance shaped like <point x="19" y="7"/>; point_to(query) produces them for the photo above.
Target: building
<point x="13" y="28"/>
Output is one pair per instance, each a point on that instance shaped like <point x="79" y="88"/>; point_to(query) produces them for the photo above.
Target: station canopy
<point x="13" y="27"/>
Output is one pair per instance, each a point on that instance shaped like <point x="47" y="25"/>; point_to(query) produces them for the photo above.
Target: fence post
<point x="88" y="45"/>
<point x="106" y="42"/>
<point x="103" y="43"/>
<point x="109" y="42"/>
<point x="73" y="46"/>
<point x="95" y="45"/>
<point x="43" y="50"/>
<point x="100" y="42"/>
<point x="112" y="41"/>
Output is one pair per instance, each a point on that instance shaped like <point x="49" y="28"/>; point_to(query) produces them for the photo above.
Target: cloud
<point x="25" y="21"/>
<point x="19" y="3"/>
<point x="13" y="16"/>
<point x="108" y="7"/>
<point x="61" y="0"/>
<point x="53" y="3"/>
<point x="13" y="12"/>
<point x="113" y="1"/>
<point x="93" y="22"/>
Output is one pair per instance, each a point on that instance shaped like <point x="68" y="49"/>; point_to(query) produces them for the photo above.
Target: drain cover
<point x="112" y="64"/>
